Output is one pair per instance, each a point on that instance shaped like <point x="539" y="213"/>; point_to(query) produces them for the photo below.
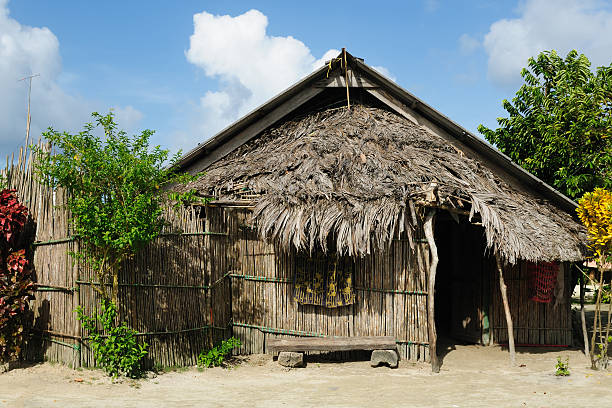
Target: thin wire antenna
<point x="29" y="118"/>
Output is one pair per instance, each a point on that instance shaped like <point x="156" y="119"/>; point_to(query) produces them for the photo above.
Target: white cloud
<point x="468" y="44"/>
<point x="432" y="5"/>
<point x="128" y="118"/>
<point x="384" y="71"/>
<point x="329" y="55"/>
<point x="28" y="50"/>
<point x="544" y="25"/>
<point x="250" y="65"/>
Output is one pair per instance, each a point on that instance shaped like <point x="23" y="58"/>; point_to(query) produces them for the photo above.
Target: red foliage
<point x="16" y="285"/>
<point x="13" y="215"/>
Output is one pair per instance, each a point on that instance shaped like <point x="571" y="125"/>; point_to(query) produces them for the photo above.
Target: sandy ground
<point x="471" y="376"/>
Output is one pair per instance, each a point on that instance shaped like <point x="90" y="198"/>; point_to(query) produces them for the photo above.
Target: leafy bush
<point x="216" y="355"/>
<point x="115" y="347"/>
<point x="562" y="367"/>
<point x="16" y="286"/>
<point x="117" y="188"/>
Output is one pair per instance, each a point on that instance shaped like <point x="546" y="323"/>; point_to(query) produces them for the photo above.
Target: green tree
<point x="559" y="124"/>
<point x="115" y="190"/>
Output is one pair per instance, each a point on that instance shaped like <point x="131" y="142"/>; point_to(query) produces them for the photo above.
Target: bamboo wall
<point x="534" y="323"/>
<point x="209" y="277"/>
<point x="175" y="292"/>
<point x="391" y="295"/>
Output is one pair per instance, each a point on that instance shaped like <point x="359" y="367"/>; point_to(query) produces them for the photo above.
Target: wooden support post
<point x="504" y="294"/>
<point x="585" y="334"/>
<point x="431" y="321"/>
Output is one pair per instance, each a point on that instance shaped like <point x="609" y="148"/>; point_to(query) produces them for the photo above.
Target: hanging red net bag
<point x="542" y="280"/>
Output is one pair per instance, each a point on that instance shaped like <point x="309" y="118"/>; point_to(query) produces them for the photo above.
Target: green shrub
<point x="562" y="367"/>
<point x="216" y="355"/>
<point x="116" y="186"/>
<point x="115" y="347"/>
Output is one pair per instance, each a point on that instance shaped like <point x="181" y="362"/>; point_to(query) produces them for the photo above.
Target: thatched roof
<point x="353" y="176"/>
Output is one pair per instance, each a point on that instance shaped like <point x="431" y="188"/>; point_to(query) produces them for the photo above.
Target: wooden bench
<point x="291" y="350"/>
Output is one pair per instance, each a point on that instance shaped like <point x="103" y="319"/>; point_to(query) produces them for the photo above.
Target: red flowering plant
<point x="16" y="285"/>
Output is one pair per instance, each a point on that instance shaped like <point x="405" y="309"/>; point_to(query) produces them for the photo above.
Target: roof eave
<point x="462" y="134"/>
<point x="473" y="141"/>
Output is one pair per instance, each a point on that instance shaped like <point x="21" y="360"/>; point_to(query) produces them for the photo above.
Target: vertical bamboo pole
<point x="431" y="322"/>
<point x="504" y="294"/>
<point x="597" y="321"/>
<point x="582" y="317"/>
<point x="348" y="99"/>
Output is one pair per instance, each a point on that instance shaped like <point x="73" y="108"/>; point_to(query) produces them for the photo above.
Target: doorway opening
<point x="462" y="282"/>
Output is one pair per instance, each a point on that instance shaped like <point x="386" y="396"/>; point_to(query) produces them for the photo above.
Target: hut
<point x="355" y="209"/>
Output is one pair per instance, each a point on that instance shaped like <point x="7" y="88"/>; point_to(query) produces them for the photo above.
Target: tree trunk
<point x="585" y="333"/>
<point x="504" y="294"/>
<point x="596" y="320"/>
<point x="431" y="321"/>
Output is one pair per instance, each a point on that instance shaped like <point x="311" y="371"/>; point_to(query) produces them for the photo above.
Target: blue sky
<point x="186" y="78"/>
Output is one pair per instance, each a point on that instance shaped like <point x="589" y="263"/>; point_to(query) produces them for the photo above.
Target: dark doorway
<point x="461" y="297"/>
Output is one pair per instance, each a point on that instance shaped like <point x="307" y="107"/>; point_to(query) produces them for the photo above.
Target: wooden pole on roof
<point x="431" y="284"/>
<point x="348" y="99"/>
<point x="504" y="294"/>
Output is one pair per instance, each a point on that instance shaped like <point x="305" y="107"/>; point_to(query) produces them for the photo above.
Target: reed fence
<point x="208" y="276"/>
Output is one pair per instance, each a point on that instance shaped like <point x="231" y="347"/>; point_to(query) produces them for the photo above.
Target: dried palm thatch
<point x="356" y="175"/>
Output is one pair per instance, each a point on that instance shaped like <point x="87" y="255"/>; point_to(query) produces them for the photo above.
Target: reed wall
<point x="534" y="323"/>
<point x="391" y="292"/>
<point x="209" y="276"/>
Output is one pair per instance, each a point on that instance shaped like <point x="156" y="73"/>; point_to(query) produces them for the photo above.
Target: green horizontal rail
<point x="54" y="241"/>
<point x="260" y="278"/>
<point x="40" y="287"/>
<point x="401" y="292"/>
<point x="48" y="338"/>
<point x="63" y="343"/>
<point x="163" y="333"/>
<point x="187" y="234"/>
<point x="165" y="234"/>
<point x="53" y="289"/>
<point x="256" y="278"/>
<point x="412" y="343"/>
<point x="279" y="331"/>
<point x="144" y="285"/>
<point x="158" y="285"/>
<point x="284" y="280"/>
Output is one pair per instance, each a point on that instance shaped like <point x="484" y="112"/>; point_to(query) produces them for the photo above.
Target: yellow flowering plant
<point x="595" y="212"/>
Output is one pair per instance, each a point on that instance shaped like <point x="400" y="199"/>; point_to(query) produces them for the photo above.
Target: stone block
<point x="291" y="359"/>
<point x="386" y="357"/>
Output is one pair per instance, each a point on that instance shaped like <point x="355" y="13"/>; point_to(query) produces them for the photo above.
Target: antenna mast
<point x="29" y="118"/>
